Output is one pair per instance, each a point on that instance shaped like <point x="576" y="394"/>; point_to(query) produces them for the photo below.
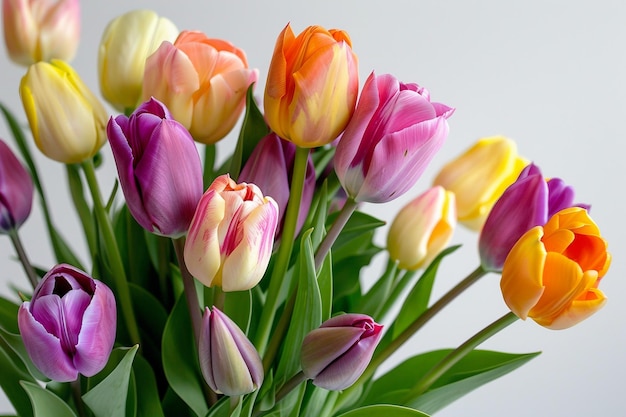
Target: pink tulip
<point x="16" y="191"/>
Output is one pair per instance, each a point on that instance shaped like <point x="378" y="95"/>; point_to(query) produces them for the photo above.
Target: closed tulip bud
<point x="159" y="168"/>
<point x="270" y="167"/>
<point x="393" y="135"/>
<point x="16" y="191"/>
<point x="68" y="327"/>
<point x="202" y="81"/>
<point x="422" y="229"/>
<point x="66" y="119"/>
<point x="479" y="176"/>
<point x="126" y="43"/>
<point x="530" y="201"/>
<point x="41" y="30"/>
<point x="229" y="362"/>
<point x="552" y="273"/>
<point x="231" y="235"/>
<point x="312" y="86"/>
<point x="335" y="355"/>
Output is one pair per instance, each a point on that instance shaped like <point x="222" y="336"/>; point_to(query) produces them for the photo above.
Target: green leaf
<point x="10" y="375"/>
<point x="476" y="369"/>
<point x="221" y="408"/>
<point x="180" y="359"/>
<point x="384" y="410"/>
<point x="325" y="282"/>
<point x="8" y="315"/>
<point x="15" y="342"/>
<point x="45" y="403"/>
<point x="80" y="204"/>
<point x="307" y="313"/>
<point x="238" y="306"/>
<point x="373" y="301"/>
<point x="109" y="396"/>
<point x="148" y="401"/>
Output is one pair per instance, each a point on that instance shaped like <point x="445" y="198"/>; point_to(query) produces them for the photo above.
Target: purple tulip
<point x="270" y="167"/>
<point x="335" y="355"/>
<point x="159" y="168"/>
<point x="393" y="135"/>
<point x="530" y="201"/>
<point x="68" y="327"/>
<point x="16" y="191"/>
<point x="229" y="362"/>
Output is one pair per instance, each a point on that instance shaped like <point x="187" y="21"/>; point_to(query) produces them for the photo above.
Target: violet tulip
<point x="336" y="354"/>
<point x="68" y="327"/>
<point x="159" y="168"/>
<point x="393" y="135"/>
<point x="229" y="362"/>
<point x="530" y="201"/>
<point x="16" y="191"/>
<point x="270" y="167"/>
<point x="231" y="235"/>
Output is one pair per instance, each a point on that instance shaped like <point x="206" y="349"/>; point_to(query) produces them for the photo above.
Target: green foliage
<point x="45" y="403"/>
<point x="383" y="410"/>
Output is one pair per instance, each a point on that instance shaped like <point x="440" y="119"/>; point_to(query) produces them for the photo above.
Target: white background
<point x="549" y="74"/>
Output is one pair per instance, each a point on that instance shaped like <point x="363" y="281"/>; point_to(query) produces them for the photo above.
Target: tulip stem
<point x="289" y="386"/>
<point x="21" y="254"/>
<point x="284" y="252"/>
<point x="78" y="400"/>
<point x="457" y="354"/>
<point x="118" y="273"/>
<point x="344" y="215"/>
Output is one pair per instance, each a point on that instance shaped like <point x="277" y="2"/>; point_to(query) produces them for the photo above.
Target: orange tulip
<point x="552" y="273"/>
<point x="312" y="86"/>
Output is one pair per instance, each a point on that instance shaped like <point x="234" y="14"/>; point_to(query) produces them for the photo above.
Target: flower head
<point x="16" y="191"/>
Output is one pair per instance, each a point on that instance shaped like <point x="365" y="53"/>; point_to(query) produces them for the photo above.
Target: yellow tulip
<point x="126" y="43"/>
<point x="479" y="176"/>
<point x="422" y="229"/>
<point x="312" y="86"/>
<point x="552" y="273"/>
<point x="67" y="120"/>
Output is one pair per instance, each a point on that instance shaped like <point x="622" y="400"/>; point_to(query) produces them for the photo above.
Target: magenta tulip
<point x="68" y="327"/>
<point x="159" y="168"/>
<point x="393" y="135"/>
<point x="16" y="191"/>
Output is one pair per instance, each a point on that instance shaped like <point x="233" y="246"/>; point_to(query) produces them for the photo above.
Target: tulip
<point x="68" y="327"/>
<point x="530" y="201"/>
<point x="270" y="167"/>
<point x="231" y="235"/>
<point x="335" y="355"/>
<point x="202" y="81"/>
<point x="312" y="86"/>
<point x="229" y="362"/>
<point x="552" y="273"/>
<point x="66" y="119"/>
<point x="479" y="176"/>
<point x="16" y="191"/>
<point x="159" y="168"/>
<point x="422" y="229"/>
<point x="393" y="135"/>
<point x="41" y="30"/>
<point x="126" y="43"/>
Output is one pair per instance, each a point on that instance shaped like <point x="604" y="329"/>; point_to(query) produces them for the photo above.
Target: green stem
<point x="281" y="328"/>
<point x="113" y="254"/>
<point x="78" y="399"/>
<point x="341" y="220"/>
<point x="289" y="386"/>
<point x="284" y="252"/>
<point x="208" y="174"/>
<point x="163" y="250"/>
<point x="457" y="354"/>
<point x="399" y="284"/>
<point x="21" y="254"/>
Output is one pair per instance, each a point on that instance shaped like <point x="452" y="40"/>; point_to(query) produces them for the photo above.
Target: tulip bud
<point x="552" y="273"/>
<point x="41" y="30"/>
<point x="229" y="362"/>
<point x="16" y="191"/>
<point x="312" y="86"/>
<point x="231" y="235"/>
<point x="159" y="168"/>
<point x="270" y="167"/>
<point x="68" y="327"/>
<point x="393" y="135"/>
<point x="65" y="117"/>
<point x="530" y="201"/>
<point x="479" y="176"/>
<point x="335" y="355"/>
<point x="202" y="81"/>
<point x="126" y="43"/>
<point x="422" y="229"/>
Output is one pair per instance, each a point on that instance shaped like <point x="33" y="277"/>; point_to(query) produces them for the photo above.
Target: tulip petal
<point x="324" y="345"/>
<point x="580" y="309"/>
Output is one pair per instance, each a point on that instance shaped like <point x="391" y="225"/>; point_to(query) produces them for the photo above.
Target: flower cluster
<point x="235" y="290"/>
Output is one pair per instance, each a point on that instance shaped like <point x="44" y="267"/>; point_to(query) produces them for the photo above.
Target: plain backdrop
<point x="549" y="74"/>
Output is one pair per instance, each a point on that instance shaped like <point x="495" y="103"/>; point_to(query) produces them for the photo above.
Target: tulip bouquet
<point x="233" y="287"/>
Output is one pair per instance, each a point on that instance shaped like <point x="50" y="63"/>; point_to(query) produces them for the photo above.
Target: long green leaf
<point x="148" y="401"/>
<point x="8" y="315"/>
<point x="10" y="375"/>
<point x="384" y="410"/>
<point x="14" y="341"/>
<point x="45" y="403"/>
